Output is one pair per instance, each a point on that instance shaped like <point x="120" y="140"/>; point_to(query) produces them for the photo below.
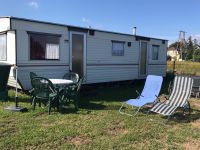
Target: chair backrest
<point x="72" y="76"/>
<point x="152" y="86"/>
<point x="42" y="87"/>
<point x="79" y="84"/>
<point x="32" y="75"/>
<point x="75" y="88"/>
<point x="181" y="91"/>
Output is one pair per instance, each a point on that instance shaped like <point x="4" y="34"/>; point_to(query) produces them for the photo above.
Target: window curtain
<point x="52" y="51"/>
<point x="155" y="50"/>
<point x="3" y="47"/>
<point x="118" y="49"/>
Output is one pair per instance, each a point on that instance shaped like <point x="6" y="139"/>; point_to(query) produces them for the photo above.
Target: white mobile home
<point x="51" y="49"/>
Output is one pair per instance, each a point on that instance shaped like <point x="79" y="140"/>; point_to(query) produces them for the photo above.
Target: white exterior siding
<point x="111" y="73"/>
<point x="23" y="42"/>
<point x="101" y="66"/>
<point x="45" y="68"/>
<point x="162" y="54"/>
<point x="157" y="69"/>
<point x="46" y="71"/>
<point x="11" y="47"/>
<point x="5" y="24"/>
<point x="99" y="49"/>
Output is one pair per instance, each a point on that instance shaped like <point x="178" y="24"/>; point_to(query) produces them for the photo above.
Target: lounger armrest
<point x="138" y="93"/>
<point x="158" y="99"/>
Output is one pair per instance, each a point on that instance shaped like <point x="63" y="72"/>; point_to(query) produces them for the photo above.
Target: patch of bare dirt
<point x="196" y="124"/>
<point x="195" y="103"/>
<point x="117" y="131"/>
<point x="192" y="145"/>
<point x="79" y="140"/>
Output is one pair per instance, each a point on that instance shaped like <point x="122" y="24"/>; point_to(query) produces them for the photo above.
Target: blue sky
<point x="154" y="18"/>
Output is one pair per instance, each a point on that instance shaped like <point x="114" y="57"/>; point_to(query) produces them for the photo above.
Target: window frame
<point x="119" y="42"/>
<point x="43" y="34"/>
<point x="152" y="56"/>
<point x="5" y="33"/>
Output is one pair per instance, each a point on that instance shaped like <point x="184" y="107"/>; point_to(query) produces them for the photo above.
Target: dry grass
<point x="185" y="67"/>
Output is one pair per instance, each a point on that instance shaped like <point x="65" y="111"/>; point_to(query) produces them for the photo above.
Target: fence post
<point x="174" y="67"/>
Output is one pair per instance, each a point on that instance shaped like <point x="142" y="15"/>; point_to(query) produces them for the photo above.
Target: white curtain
<point x="3" y="47"/>
<point x="52" y="51"/>
<point x="118" y="49"/>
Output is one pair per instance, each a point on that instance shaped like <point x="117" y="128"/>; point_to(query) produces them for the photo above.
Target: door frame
<point x="147" y="56"/>
<point x="84" y="51"/>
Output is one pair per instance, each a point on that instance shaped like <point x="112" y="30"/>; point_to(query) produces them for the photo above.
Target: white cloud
<point x="85" y="20"/>
<point x="89" y="23"/>
<point x="196" y="36"/>
<point x="33" y="4"/>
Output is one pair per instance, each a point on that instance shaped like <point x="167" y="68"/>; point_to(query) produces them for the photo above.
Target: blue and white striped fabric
<point x="180" y="94"/>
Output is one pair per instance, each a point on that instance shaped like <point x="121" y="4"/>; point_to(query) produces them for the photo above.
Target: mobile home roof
<point x="58" y="24"/>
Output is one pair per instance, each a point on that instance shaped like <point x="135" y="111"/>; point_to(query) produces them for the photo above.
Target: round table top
<point x="61" y="81"/>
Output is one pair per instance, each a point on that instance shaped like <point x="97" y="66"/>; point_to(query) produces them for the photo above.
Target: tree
<point x="174" y="44"/>
<point x="189" y="49"/>
<point x="196" y="53"/>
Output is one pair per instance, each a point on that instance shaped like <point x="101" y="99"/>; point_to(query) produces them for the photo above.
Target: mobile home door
<point x="143" y="59"/>
<point x="77" y="51"/>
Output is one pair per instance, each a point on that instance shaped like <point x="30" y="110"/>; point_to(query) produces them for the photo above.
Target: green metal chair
<point x="71" y="76"/>
<point x="32" y="75"/>
<point x="45" y="91"/>
<point x="72" y="92"/>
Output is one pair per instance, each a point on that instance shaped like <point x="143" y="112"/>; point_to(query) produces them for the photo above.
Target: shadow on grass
<point x="179" y="117"/>
<point x="118" y="92"/>
<point x="94" y="96"/>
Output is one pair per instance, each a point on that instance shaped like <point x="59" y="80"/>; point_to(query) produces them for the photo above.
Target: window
<point x="117" y="48"/>
<point x="155" y="50"/>
<point x="44" y="46"/>
<point x="3" y="46"/>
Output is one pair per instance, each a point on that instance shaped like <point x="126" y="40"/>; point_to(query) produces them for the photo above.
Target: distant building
<point x="173" y="53"/>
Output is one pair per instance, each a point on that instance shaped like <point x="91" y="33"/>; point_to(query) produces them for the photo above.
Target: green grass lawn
<point x="98" y="124"/>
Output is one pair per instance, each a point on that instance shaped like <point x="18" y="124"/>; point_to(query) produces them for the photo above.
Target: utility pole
<point x="181" y="43"/>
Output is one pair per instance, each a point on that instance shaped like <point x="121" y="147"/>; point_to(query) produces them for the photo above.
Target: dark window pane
<point x="40" y="47"/>
<point x="155" y="51"/>
<point x="117" y="48"/>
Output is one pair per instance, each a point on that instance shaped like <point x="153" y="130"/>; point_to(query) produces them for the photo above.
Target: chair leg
<point x="121" y="112"/>
<point x="76" y="105"/>
<point x="167" y="119"/>
<point x="76" y="99"/>
<point x="49" y="108"/>
<point x="189" y="108"/>
<point x="39" y="103"/>
<point x="34" y="103"/>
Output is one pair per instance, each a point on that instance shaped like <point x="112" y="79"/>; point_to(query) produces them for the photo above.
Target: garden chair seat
<point x="44" y="91"/>
<point x="149" y="94"/>
<point x="71" y="76"/>
<point x="178" y="98"/>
